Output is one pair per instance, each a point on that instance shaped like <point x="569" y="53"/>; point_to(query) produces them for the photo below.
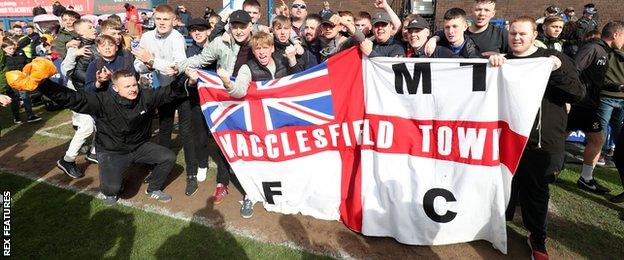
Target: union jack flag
<point x="300" y="99"/>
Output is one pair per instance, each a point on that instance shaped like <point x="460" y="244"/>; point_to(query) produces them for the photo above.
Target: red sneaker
<point x="538" y="249"/>
<point x="220" y="193"/>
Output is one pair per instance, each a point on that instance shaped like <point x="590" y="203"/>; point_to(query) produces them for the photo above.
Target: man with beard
<point x="312" y="32"/>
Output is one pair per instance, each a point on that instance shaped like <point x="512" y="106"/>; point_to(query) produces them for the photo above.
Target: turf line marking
<point x="44" y="131"/>
<point x="338" y="253"/>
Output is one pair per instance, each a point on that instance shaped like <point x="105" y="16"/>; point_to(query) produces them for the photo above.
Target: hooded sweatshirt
<point x="614" y="77"/>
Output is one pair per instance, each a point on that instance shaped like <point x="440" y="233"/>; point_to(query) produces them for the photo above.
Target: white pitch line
<point x="55" y="126"/>
<point x="44" y="131"/>
<point x="183" y="216"/>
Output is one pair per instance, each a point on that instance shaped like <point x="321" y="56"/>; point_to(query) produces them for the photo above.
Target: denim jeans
<point x="16" y="96"/>
<point x="611" y="113"/>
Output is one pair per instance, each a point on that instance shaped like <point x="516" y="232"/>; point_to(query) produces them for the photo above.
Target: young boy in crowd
<point x="75" y="65"/>
<point x="549" y="38"/>
<point x="66" y="36"/>
<point x="110" y="60"/>
<point x="16" y="60"/>
<point x="262" y="66"/>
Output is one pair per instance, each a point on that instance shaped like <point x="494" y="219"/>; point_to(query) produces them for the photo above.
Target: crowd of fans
<point x="110" y="59"/>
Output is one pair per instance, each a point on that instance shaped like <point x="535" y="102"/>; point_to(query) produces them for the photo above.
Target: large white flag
<point x="422" y="150"/>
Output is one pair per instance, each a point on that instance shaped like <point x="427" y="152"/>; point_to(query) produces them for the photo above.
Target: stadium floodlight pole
<point x="270" y="11"/>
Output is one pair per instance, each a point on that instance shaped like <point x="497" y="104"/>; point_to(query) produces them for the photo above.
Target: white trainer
<point x="201" y="174"/>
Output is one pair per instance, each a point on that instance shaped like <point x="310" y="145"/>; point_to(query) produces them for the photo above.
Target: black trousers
<point x="203" y="142"/>
<point x="166" y="115"/>
<point x="113" y="165"/>
<point x="529" y="188"/>
<point x="200" y="134"/>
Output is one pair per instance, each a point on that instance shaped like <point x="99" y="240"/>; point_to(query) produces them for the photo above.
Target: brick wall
<point x="508" y="9"/>
<point x="197" y="6"/>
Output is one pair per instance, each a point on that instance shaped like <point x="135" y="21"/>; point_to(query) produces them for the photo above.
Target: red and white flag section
<point x="419" y="150"/>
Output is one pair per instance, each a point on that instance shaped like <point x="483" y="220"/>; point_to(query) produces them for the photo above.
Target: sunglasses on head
<point x="300" y="6"/>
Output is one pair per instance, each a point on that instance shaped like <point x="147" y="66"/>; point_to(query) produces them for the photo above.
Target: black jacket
<point x="193" y="94"/>
<point x="78" y="75"/>
<point x="549" y="129"/>
<point x="15" y="62"/>
<point x="259" y="72"/>
<point x="469" y="50"/>
<point x="390" y="48"/>
<point x="280" y="51"/>
<point x="314" y="48"/>
<point x="439" y="52"/>
<point x="592" y="61"/>
<point x="122" y="124"/>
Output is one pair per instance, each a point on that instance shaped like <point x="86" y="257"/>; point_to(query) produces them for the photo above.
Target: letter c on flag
<point x="428" y="205"/>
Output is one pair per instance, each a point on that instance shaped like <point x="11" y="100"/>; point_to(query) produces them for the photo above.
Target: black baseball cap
<point x="240" y="16"/>
<point x="553" y="9"/>
<point x="326" y="18"/>
<point x="198" y="23"/>
<point x="382" y="17"/>
<point x="418" y="23"/>
<point x="590" y="10"/>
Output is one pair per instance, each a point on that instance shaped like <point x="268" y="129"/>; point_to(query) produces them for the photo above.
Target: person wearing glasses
<point x="298" y="14"/>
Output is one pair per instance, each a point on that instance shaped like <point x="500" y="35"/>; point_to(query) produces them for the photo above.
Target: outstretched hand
<point x="142" y="54"/>
<point x="192" y="74"/>
<point x="5" y="100"/>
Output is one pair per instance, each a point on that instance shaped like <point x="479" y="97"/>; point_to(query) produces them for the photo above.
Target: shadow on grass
<point x="578" y="237"/>
<point x="593" y="228"/>
<point x="55" y="223"/>
<point x="601" y="199"/>
<point x="135" y="175"/>
<point x="198" y="242"/>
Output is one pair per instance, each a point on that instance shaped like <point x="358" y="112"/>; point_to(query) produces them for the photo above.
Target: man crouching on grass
<point x="123" y="118"/>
